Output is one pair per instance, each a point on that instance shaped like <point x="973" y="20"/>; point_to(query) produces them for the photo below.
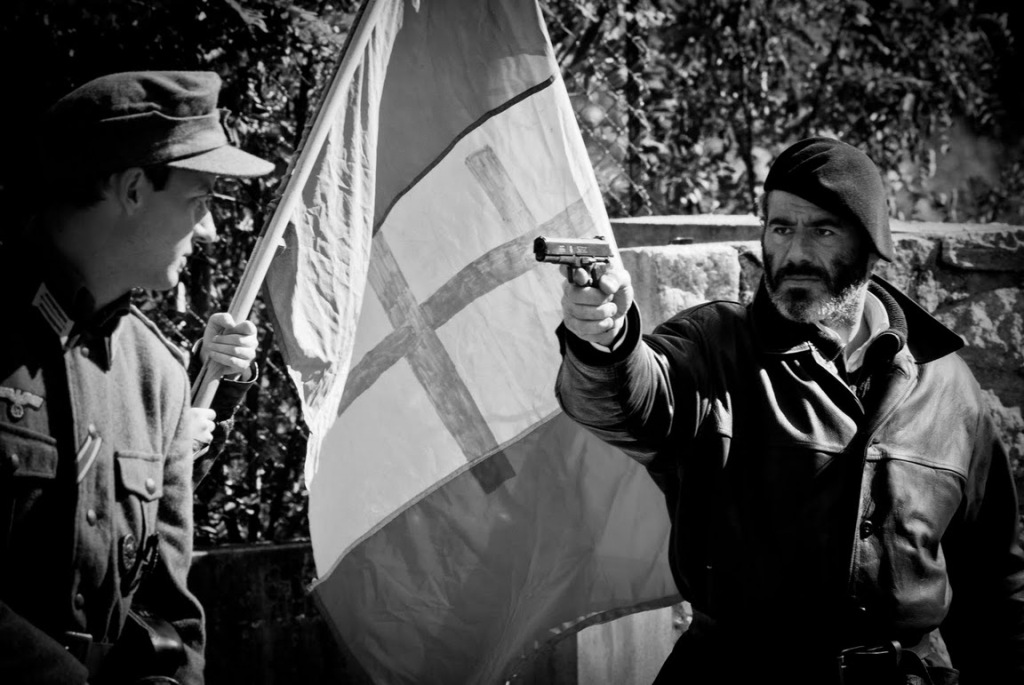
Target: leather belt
<point x="88" y="651"/>
<point x="875" y="664"/>
<point x="884" y="664"/>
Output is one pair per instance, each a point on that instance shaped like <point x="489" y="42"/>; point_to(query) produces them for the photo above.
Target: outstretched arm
<point x="613" y="381"/>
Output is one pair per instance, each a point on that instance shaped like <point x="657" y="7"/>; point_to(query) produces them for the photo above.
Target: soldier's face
<point x="816" y="264"/>
<point x="171" y="218"/>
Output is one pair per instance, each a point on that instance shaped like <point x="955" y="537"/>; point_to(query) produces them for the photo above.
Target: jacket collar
<point x="909" y="326"/>
<point x="926" y="338"/>
<point x="43" y="281"/>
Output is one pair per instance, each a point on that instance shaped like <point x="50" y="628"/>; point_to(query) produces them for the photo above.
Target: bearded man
<point x="842" y="511"/>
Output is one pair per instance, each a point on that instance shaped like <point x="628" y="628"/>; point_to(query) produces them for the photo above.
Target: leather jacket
<point x="812" y="508"/>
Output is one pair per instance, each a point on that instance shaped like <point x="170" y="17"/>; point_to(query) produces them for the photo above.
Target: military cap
<point x="839" y="178"/>
<point x="143" y="118"/>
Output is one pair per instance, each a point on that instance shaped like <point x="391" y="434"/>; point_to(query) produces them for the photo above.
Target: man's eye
<point x="781" y="230"/>
<point x="824" y="232"/>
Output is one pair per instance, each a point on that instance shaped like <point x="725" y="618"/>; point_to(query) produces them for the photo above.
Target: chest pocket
<point x="139" y="488"/>
<point x="140" y="485"/>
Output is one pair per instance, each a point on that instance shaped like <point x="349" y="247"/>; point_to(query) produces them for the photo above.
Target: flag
<point x="458" y="519"/>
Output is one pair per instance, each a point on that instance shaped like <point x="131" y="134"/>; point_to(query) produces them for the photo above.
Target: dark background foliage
<point x="683" y="104"/>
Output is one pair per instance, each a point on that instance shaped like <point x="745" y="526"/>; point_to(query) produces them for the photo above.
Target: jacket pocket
<point x="139" y="488"/>
<point x="140" y="478"/>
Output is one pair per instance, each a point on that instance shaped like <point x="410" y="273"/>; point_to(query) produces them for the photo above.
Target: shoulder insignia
<point x="54" y="315"/>
<point x="18" y="400"/>
<point x="148" y="323"/>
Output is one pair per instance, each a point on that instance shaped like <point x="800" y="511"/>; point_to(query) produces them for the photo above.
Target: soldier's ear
<point x="128" y="189"/>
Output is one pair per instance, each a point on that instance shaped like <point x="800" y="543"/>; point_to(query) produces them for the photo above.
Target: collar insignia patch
<point x="53" y="313"/>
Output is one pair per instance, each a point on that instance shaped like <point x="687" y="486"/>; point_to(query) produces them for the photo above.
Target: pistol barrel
<point x="571" y="251"/>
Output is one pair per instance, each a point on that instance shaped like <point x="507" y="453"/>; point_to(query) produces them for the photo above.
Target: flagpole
<point x="205" y="387"/>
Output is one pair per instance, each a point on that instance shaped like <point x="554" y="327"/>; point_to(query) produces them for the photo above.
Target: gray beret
<point x="839" y="178"/>
<point x="142" y="118"/>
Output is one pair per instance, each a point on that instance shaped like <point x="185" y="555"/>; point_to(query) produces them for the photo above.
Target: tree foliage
<point x="690" y="100"/>
<point x="683" y="104"/>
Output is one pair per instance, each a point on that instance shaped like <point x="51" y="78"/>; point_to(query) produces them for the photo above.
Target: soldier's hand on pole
<point x="199" y="426"/>
<point x="230" y="347"/>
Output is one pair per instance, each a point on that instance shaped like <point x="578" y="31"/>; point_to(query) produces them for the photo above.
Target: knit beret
<point x="142" y="118"/>
<point x="840" y="179"/>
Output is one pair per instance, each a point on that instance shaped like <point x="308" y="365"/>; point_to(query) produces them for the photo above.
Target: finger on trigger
<point x="581" y="277"/>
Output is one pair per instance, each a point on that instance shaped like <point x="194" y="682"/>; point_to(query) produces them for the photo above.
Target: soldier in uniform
<point x="96" y="430"/>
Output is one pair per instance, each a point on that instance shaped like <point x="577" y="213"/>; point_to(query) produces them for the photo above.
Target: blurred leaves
<point x="930" y="89"/>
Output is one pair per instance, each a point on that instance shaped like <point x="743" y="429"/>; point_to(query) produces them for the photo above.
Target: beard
<point x="843" y="281"/>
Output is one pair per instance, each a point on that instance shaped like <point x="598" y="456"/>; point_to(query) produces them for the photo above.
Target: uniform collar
<point x="59" y="297"/>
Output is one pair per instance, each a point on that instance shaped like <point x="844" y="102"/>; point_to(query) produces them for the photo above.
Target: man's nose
<point x="206" y="230"/>
<point x="798" y="250"/>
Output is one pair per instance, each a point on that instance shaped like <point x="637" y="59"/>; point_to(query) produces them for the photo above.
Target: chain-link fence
<point x="602" y="66"/>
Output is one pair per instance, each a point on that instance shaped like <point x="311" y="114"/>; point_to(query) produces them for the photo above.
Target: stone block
<point x="1010" y="427"/>
<point x="998" y="248"/>
<point x="669" y="279"/>
<point x="698" y="228"/>
<point x="992" y="323"/>
<point x="751" y="269"/>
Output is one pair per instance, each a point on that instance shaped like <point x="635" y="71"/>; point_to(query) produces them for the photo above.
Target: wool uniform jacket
<point x="813" y="511"/>
<point x="95" y="476"/>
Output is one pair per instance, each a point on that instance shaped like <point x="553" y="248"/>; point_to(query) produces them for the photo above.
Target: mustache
<point x="801" y="270"/>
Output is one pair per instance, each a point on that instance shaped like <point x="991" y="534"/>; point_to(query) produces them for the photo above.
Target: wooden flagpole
<point x="205" y="387"/>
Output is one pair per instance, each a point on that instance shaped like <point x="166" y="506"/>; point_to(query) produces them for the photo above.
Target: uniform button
<point x="866" y="528"/>
<point x="14" y="460"/>
<point x="84" y="351"/>
<point x="79" y="601"/>
<point x="150" y="485"/>
<point x="90" y="517"/>
<point x="92" y="429"/>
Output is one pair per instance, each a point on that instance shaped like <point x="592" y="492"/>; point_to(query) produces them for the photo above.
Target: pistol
<point x="579" y="253"/>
